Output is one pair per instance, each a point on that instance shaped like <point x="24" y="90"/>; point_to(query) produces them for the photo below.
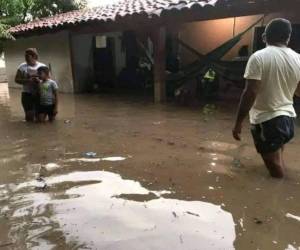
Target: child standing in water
<point x="47" y="95"/>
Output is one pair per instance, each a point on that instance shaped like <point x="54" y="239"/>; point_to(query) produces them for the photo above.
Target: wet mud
<point x="116" y="172"/>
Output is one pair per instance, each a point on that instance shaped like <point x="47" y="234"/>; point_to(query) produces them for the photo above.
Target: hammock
<point x="211" y="60"/>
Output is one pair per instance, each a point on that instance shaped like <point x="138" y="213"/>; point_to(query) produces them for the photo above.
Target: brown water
<point x="163" y="178"/>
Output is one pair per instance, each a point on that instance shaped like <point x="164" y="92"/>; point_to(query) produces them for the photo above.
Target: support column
<point x="159" y="45"/>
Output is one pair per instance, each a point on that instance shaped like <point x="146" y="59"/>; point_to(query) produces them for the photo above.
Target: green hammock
<point x="210" y="60"/>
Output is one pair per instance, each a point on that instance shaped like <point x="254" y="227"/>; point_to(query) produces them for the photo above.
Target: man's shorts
<point x="47" y="110"/>
<point x="29" y="102"/>
<point x="271" y="135"/>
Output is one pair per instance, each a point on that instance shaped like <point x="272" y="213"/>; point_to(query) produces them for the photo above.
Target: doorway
<point x="104" y="62"/>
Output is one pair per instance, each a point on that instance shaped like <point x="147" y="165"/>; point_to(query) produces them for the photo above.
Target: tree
<point x="4" y="34"/>
<point x="45" y="8"/>
<point x="13" y="12"/>
<point x="27" y="10"/>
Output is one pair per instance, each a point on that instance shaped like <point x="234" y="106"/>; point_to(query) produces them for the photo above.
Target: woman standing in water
<point x="28" y="77"/>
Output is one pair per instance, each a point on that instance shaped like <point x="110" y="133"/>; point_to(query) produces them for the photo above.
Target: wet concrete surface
<point x="163" y="177"/>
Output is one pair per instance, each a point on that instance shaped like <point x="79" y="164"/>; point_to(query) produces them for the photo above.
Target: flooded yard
<point x="119" y="173"/>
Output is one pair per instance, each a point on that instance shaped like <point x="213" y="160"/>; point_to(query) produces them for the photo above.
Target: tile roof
<point x="124" y="8"/>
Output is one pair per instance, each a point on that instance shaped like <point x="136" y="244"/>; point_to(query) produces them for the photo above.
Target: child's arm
<point x="55" y="94"/>
<point x="55" y="102"/>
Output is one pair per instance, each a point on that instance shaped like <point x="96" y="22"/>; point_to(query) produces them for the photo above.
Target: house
<point x="89" y="48"/>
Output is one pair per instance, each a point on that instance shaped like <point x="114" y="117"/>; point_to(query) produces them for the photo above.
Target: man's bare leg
<point x="274" y="163"/>
<point x="282" y="158"/>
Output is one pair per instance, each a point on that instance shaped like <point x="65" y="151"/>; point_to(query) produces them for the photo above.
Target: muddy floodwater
<point x="119" y="173"/>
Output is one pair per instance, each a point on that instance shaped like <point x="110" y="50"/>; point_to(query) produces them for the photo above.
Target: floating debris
<point x="209" y="109"/>
<point x="291" y="216"/>
<point x="181" y="239"/>
<point x="194" y="214"/>
<point x="50" y="167"/>
<point x="258" y="221"/>
<point x="93" y="159"/>
<point x="114" y="158"/>
<point x="91" y="154"/>
<point x="236" y="163"/>
<point x="83" y="160"/>
<point x="40" y="184"/>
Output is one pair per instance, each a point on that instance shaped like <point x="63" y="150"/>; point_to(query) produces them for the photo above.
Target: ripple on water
<point x="109" y="212"/>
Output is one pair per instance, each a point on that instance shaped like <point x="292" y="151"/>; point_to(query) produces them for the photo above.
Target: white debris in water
<point x="40" y="185"/>
<point x="211" y="188"/>
<point x="71" y="153"/>
<point x="83" y="160"/>
<point x="209" y="171"/>
<point x="275" y="242"/>
<point x="51" y="166"/>
<point x="115" y="158"/>
<point x="291" y="247"/>
<point x="241" y="221"/>
<point x="160" y="193"/>
<point x="288" y="215"/>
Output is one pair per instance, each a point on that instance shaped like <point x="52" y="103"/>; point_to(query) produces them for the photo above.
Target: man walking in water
<point x="272" y="78"/>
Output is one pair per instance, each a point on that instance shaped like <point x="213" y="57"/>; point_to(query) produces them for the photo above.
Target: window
<point x="101" y="42"/>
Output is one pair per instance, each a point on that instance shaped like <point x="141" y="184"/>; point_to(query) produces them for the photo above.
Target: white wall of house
<point x="208" y="35"/>
<point x="54" y="50"/>
<point x="3" y="77"/>
<point x="2" y="61"/>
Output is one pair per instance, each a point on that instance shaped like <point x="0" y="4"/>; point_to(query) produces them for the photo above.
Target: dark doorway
<point x="104" y="62"/>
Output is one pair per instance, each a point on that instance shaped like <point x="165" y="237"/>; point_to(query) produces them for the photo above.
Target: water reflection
<point x="4" y="94"/>
<point x="121" y="214"/>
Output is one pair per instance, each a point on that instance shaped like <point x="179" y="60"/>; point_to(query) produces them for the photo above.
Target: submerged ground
<point x="163" y="178"/>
